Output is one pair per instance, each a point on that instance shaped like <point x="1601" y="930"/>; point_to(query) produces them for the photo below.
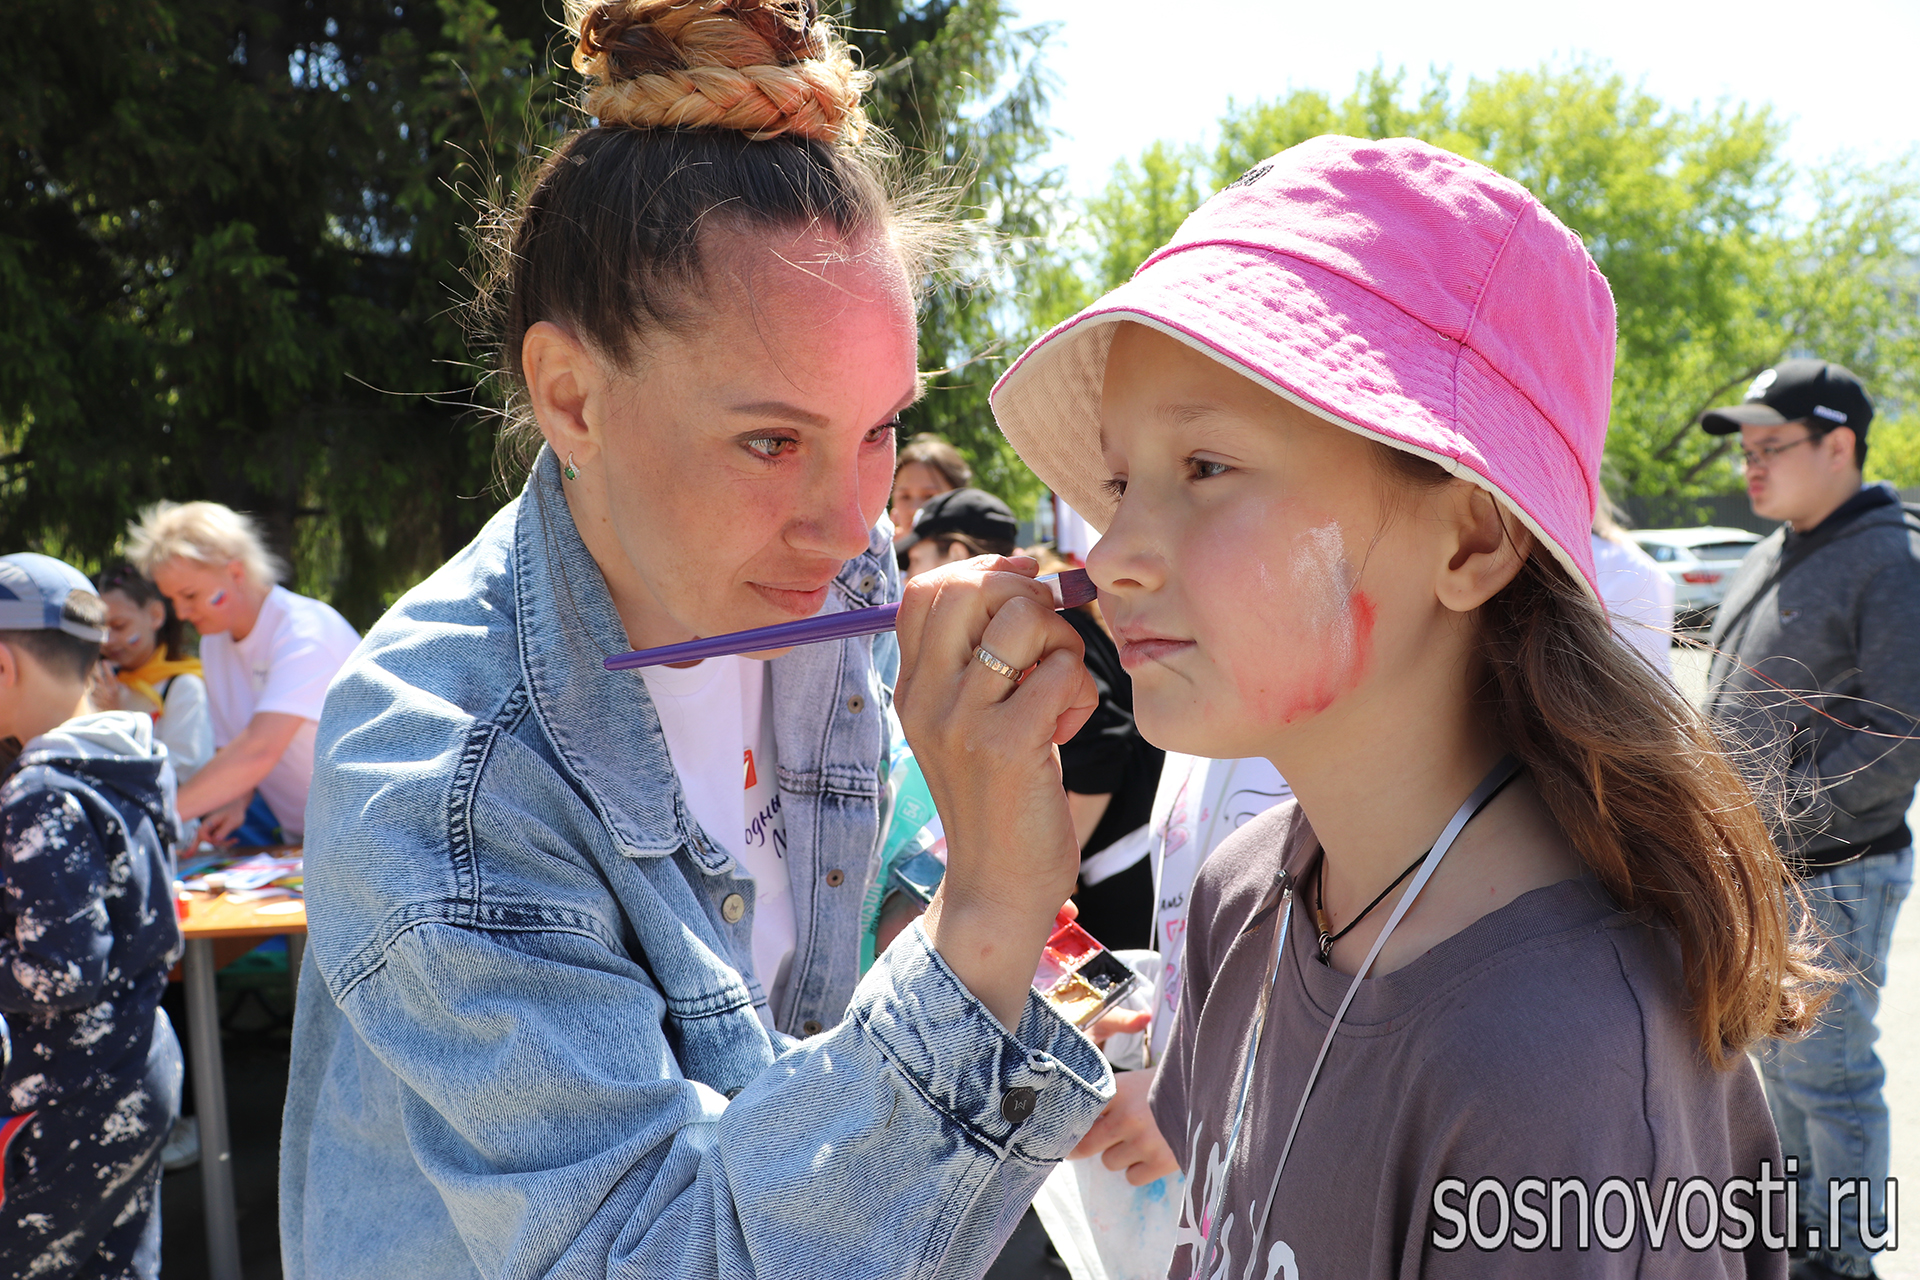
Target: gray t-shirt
<point x="1548" y="1040"/>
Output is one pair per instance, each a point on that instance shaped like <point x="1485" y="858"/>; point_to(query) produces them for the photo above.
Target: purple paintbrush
<point x="1071" y="587"/>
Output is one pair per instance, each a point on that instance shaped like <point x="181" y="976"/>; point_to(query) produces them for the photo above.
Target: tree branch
<point x="1713" y="397"/>
<point x="1714" y="455"/>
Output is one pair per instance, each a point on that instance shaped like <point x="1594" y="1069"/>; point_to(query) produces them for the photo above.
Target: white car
<point x="1700" y="562"/>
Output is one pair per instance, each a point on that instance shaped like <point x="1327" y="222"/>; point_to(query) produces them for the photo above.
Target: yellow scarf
<point x="145" y="680"/>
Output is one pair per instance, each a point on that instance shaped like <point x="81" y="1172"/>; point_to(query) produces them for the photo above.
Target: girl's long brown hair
<point x="1639" y="783"/>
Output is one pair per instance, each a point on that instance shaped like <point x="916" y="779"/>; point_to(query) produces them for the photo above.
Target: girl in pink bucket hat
<point x="1487" y="985"/>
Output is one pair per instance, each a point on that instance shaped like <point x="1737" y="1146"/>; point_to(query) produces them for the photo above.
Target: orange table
<point x="212" y="925"/>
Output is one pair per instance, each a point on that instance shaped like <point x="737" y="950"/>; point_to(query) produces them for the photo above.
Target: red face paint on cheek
<point x="1360" y="607"/>
<point x="1334" y="661"/>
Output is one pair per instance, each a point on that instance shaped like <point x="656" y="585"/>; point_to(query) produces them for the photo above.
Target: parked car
<point x="1700" y="562"/>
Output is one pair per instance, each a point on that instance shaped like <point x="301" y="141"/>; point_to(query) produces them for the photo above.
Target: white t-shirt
<point x="1199" y="803"/>
<point x="718" y="721"/>
<point x="285" y="664"/>
<point x="1639" y="599"/>
<point x="185" y="725"/>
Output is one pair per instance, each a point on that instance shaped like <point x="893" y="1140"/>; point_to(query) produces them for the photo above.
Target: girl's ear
<point x="1485" y="550"/>
<point x="561" y="377"/>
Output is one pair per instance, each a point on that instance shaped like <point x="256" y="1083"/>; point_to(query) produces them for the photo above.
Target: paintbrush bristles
<point x="1076" y="588"/>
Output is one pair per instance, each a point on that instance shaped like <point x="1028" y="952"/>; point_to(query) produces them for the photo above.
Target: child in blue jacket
<point x="87" y="936"/>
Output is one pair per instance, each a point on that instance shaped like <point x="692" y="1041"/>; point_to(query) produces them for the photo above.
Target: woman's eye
<point x="1204" y="469"/>
<point x="771" y="446"/>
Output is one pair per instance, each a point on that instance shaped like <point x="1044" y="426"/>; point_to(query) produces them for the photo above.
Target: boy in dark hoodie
<point x="87" y="936"/>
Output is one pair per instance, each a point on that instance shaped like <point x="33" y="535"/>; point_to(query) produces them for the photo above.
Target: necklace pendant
<point x="1326" y="947"/>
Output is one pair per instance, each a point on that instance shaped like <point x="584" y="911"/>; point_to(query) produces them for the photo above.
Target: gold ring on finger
<point x="995" y="665"/>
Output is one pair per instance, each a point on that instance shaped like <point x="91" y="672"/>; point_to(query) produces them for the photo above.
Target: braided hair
<point x="708" y="116"/>
<point x="764" y="68"/>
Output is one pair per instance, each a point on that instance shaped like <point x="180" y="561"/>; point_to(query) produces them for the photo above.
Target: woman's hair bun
<point x="765" y="68"/>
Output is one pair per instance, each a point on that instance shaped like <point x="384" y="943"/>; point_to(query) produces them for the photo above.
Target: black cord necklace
<point x="1320" y="911"/>
<point x="1327" y="939"/>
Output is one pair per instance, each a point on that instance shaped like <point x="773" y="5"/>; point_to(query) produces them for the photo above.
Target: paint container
<point x="1105" y="973"/>
<point x="1077" y="976"/>
<point x="1075" y="1000"/>
<point x="1070" y="945"/>
<point x="1080" y="978"/>
<point x="1050" y="972"/>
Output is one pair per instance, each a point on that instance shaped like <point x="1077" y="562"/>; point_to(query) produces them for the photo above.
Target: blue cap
<point x="33" y="594"/>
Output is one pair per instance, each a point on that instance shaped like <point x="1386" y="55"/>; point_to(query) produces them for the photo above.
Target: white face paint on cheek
<point x="1315" y="631"/>
<point x="1323" y="580"/>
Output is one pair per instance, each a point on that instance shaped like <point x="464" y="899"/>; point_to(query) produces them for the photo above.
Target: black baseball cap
<point x="1812" y="391"/>
<point x="974" y="512"/>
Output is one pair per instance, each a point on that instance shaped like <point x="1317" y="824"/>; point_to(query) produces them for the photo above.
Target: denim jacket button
<point x="811" y="1027"/>
<point x="868" y="583"/>
<point x="856" y="704"/>
<point x="1017" y="1105"/>
<point x="732" y="907"/>
<point x="836" y="878"/>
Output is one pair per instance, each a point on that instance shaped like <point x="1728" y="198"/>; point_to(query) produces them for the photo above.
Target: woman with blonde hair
<point x="583" y="993"/>
<point x="268" y="656"/>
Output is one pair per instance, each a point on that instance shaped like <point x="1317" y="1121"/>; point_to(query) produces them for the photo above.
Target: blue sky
<point x="1841" y="71"/>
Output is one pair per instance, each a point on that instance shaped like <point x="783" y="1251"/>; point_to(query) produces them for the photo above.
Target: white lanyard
<point x="1483" y="795"/>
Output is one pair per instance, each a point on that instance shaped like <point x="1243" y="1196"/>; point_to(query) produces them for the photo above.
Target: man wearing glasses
<point x="1817" y="666"/>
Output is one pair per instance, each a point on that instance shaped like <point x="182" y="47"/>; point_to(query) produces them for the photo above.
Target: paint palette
<point x="1077" y="976"/>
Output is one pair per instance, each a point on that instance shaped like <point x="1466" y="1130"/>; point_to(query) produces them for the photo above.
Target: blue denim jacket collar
<point x="568" y="626"/>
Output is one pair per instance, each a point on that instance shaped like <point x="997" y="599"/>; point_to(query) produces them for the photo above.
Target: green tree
<point x="1141" y="208"/>
<point x="964" y="91"/>
<point x="231" y="237"/>
<point x="236" y="251"/>
<point x="1894" y="452"/>
<point x="1723" y="258"/>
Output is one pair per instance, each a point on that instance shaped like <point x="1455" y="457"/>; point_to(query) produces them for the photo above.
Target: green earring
<point x="571" y="472"/>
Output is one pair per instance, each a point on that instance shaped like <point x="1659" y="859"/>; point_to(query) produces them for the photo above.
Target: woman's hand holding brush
<point x="991" y="679"/>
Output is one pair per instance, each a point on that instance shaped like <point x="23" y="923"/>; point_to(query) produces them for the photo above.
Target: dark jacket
<point x="1817" y="671"/>
<point x="87" y="924"/>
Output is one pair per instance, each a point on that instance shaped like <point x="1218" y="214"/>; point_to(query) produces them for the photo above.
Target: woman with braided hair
<point x="585" y="995"/>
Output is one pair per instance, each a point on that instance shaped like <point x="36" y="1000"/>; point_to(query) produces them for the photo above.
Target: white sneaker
<point x="183" y="1145"/>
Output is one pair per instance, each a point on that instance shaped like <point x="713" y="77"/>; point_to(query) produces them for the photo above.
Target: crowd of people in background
<point x="124" y="749"/>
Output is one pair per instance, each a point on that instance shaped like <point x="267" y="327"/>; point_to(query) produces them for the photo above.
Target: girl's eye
<point x="1204" y="469"/>
<point x="771" y="446"/>
<point x="1115" y="488"/>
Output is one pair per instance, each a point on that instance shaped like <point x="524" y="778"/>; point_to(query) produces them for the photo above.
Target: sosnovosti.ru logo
<point x="1695" y="1214"/>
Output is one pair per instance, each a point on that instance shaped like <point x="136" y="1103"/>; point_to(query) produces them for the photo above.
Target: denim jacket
<point x="528" y="1041"/>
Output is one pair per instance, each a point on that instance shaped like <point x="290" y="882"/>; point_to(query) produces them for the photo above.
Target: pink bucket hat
<point x="1390" y="288"/>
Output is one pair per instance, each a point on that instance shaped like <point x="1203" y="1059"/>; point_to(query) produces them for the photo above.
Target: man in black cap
<point x="1817" y="666"/>
<point x="957" y="525"/>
